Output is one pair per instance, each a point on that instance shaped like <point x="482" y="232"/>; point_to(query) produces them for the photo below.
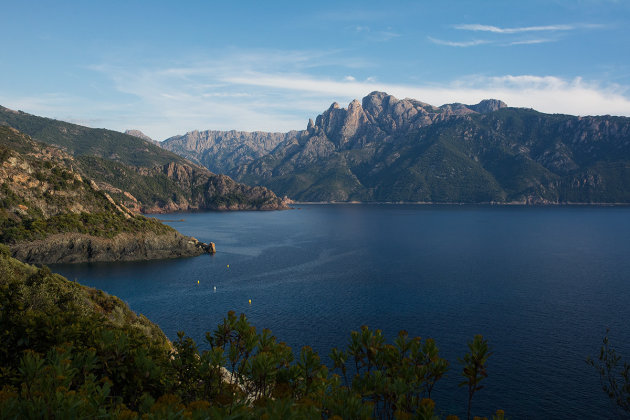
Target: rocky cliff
<point x="386" y="149"/>
<point x="51" y="212"/>
<point x="77" y="248"/>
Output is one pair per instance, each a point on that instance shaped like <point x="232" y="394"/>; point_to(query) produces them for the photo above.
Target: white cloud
<point x="376" y="35"/>
<point x="530" y="41"/>
<point x="463" y="44"/>
<point x="496" y="29"/>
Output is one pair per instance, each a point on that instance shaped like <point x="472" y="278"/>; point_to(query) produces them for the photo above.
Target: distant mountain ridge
<point x="139" y="174"/>
<point x="220" y="151"/>
<point x="391" y="150"/>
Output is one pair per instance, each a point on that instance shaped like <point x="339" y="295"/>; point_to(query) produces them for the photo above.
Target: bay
<point x="542" y="284"/>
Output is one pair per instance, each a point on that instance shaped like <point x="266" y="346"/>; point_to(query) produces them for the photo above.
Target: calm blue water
<point x="541" y="284"/>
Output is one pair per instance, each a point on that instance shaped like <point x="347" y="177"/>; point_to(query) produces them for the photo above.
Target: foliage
<point x="49" y="193"/>
<point x="614" y="376"/>
<point x="475" y="367"/>
<point x="105" y="225"/>
<point x="147" y="189"/>
<point x="68" y="351"/>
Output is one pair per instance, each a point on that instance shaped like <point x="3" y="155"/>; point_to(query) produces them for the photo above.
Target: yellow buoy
<point x="250" y="301"/>
<point x="197" y="281"/>
<point x="228" y="265"/>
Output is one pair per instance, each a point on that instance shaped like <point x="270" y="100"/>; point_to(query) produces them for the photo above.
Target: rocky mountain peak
<point x="355" y="104"/>
<point x="386" y="113"/>
<point x="488" y="105"/>
<point x="139" y="134"/>
<point x="376" y="102"/>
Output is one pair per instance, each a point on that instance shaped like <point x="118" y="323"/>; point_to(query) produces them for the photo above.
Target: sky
<point x="169" y="67"/>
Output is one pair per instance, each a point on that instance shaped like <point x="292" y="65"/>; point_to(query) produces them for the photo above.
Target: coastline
<point x="431" y="203"/>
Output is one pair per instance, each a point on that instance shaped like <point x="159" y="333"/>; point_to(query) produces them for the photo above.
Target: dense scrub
<point x="105" y="225"/>
<point x="68" y="351"/>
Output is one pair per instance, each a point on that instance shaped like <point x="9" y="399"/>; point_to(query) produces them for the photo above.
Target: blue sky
<point x="171" y="67"/>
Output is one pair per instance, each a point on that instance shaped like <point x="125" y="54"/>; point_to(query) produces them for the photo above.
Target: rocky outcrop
<point x="77" y="248"/>
<point x="208" y="191"/>
<point x="488" y="105"/>
<point x="141" y="135"/>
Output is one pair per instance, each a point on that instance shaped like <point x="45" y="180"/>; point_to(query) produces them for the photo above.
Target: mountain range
<point x="383" y="149"/>
<point x="138" y="173"/>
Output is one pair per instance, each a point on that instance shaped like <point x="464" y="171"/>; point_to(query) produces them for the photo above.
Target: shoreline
<point x="430" y="203"/>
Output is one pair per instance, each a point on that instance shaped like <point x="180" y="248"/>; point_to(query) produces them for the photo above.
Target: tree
<point x="614" y="377"/>
<point x="475" y="366"/>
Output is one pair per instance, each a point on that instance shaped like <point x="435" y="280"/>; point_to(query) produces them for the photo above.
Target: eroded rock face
<point x="76" y="248"/>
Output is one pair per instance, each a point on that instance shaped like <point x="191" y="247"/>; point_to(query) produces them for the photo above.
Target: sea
<point x="542" y="284"/>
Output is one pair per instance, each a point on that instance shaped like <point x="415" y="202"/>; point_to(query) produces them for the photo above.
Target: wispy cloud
<point x="543" y="28"/>
<point x="376" y="35"/>
<point x="461" y="44"/>
<point x="498" y="30"/>
<point x="530" y="41"/>
<point x="491" y="29"/>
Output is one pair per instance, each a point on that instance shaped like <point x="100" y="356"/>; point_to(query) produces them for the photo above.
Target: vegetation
<point x="105" y="225"/>
<point x="146" y="189"/>
<point x="68" y="351"/>
<point x="78" y="140"/>
<point x="41" y="195"/>
<point x="614" y="375"/>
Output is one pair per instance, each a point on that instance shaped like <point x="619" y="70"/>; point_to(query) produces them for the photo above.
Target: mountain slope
<point x="50" y="212"/>
<point x="140" y="174"/>
<point x="385" y="149"/>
